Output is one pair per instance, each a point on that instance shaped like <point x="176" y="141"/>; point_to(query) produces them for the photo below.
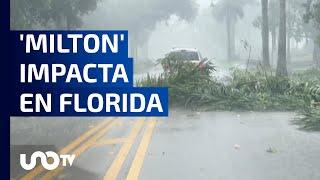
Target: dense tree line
<point x="281" y="22"/>
<point x="49" y="14"/>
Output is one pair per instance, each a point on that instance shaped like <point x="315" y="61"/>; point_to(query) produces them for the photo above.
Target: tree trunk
<point x="316" y="54"/>
<point x="136" y="52"/>
<point x="233" y="39"/>
<point x="228" y="23"/>
<point x="68" y="25"/>
<point x="288" y="48"/>
<point x="133" y="47"/>
<point x="282" y="62"/>
<point x="274" y="41"/>
<point x="265" y="34"/>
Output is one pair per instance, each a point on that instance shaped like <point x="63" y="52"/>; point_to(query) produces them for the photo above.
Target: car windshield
<point x="187" y="55"/>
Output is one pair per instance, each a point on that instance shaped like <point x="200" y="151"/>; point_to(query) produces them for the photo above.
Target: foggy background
<point x="156" y="26"/>
<point x="162" y="25"/>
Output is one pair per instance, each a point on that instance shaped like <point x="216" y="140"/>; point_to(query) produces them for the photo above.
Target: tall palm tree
<point x="282" y="62"/>
<point x="230" y="12"/>
<point x="273" y="18"/>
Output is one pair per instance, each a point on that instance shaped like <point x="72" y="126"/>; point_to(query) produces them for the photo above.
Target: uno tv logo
<point x="48" y="164"/>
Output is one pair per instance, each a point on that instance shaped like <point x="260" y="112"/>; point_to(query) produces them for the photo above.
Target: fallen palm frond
<point x="193" y="88"/>
<point x="308" y="119"/>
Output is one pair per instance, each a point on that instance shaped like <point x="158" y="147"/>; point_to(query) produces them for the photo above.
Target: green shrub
<point x="196" y="89"/>
<point x="308" y="119"/>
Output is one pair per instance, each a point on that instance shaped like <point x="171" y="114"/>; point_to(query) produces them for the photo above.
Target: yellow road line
<point x="89" y="143"/>
<point x="39" y="169"/>
<point x="142" y="149"/>
<point x="116" y="165"/>
<point x="110" y="141"/>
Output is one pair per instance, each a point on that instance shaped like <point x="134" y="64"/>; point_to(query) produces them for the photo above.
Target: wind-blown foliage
<point x="255" y="91"/>
<point x="309" y="119"/>
<point x="58" y="14"/>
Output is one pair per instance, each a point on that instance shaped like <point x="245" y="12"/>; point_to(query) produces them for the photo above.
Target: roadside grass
<point x="309" y="119"/>
<point x="254" y="90"/>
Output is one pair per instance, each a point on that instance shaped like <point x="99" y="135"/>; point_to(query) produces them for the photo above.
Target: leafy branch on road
<point x="256" y="90"/>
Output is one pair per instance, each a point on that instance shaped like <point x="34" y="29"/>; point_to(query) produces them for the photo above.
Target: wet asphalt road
<point x="207" y="145"/>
